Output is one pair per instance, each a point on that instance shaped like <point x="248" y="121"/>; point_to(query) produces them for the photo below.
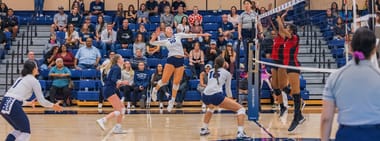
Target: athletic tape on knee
<point x="117" y="113"/>
<point x="277" y="92"/>
<point x="175" y="86"/>
<point x="241" y="111"/>
<point x="210" y="110"/>
<point x="23" y="137"/>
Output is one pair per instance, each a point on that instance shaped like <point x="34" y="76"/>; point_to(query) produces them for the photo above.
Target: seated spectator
<point x="49" y="57"/>
<point x="225" y="26"/>
<point x="163" y="91"/>
<point x="229" y="56"/>
<point x="154" y="12"/>
<point x="139" y="57"/>
<point x="52" y="42"/>
<point x="3" y="11"/>
<point x="243" y="84"/>
<point x="139" y="44"/>
<point x="334" y="9"/>
<point x="11" y="23"/>
<point x="187" y="45"/>
<point x="233" y="17"/>
<point x="61" y="77"/>
<point x="211" y="53"/>
<point x="167" y="17"/>
<point x="153" y="51"/>
<point x="141" y="82"/>
<point x="97" y="7"/>
<point x="71" y="37"/>
<point x="108" y="37"/>
<point x="203" y="78"/>
<point x="339" y="29"/>
<point x="75" y="19"/>
<point x="60" y="21"/>
<point x="184" y="26"/>
<point x="196" y="60"/>
<point x="221" y="42"/>
<point x="99" y="27"/>
<point x="87" y="57"/>
<point x="330" y="19"/>
<point x="176" y="4"/>
<point x="143" y="31"/>
<point x="125" y="35"/>
<point x="32" y="58"/>
<point x="183" y="87"/>
<point x="162" y="5"/>
<point x="197" y="28"/>
<point x="205" y="42"/>
<point x="178" y="18"/>
<point x="142" y="14"/>
<point x="80" y="5"/>
<point x="195" y="17"/>
<point x="66" y="56"/>
<point x="130" y="15"/>
<point x="127" y="74"/>
<point x="91" y="27"/>
<point x="84" y="34"/>
<point x="119" y="16"/>
<point x="151" y="4"/>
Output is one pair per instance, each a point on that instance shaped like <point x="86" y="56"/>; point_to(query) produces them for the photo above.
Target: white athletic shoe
<point x="170" y="105"/>
<point x="204" y="131"/>
<point x="100" y="105"/>
<point x="204" y="108"/>
<point x="119" y="130"/>
<point x="101" y="122"/>
<point x="242" y="136"/>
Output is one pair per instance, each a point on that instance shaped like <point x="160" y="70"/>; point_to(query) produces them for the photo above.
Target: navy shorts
<point x="109" y="91"/>
<point x="176" y="62"/>
<point x="12" y="112"/>
<point x="214" y="99"/>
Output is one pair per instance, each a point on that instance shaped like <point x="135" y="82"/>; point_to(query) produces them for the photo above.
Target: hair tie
<point x="359" y="55"/>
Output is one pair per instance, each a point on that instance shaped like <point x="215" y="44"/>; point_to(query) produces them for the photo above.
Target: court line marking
<point x="262" y="127"/>
<point x="108" y="134"/>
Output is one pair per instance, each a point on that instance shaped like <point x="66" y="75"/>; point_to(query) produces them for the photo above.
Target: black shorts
<point x="214" y="99"/>
<point x="293" y="71"/>
<point x="176" y="62"/>
<point x="278" y="62"/>
<point x="109" y="91"/>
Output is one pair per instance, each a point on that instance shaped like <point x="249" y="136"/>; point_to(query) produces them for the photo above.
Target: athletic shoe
<point x="161" y="105"/>
<point x="282" y="111"/>
<point x="101" y="122"/>
<point x="119" y="130"/>
<point x="170" y="105"/>
<point x="154" y="95"/>
<point x="100" y="105"/>
<point x="204" y="108"/>
<point x="295" y="124"/>
<point x="133" y="107"/>
<point x="204" y="131"/>
<point x="242" y="136"/>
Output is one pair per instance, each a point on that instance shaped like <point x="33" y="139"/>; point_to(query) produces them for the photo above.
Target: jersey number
<point x="18" y="81"/>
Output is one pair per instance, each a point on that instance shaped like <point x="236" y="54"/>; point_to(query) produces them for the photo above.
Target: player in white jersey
<point x="15" y="98"/>
<point x="175" y="61"/>
<point x="213" y="96"/>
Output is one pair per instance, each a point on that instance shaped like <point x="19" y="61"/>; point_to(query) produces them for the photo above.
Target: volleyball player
<point x="213" y="96"/>
<point x="112" y="82"/>
<point x="15" y="98"/>
<point x="174" y="64"/>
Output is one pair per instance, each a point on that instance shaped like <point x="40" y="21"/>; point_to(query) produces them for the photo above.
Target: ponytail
<point x="363" y="43"/>
<point x="219" y="63"/>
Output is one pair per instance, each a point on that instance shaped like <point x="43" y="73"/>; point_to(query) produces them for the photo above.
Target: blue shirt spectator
<point x="87" y="57"/>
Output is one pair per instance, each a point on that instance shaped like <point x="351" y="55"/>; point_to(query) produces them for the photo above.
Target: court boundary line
<point x="262" y="127"/>
<point x="108" y="134"/>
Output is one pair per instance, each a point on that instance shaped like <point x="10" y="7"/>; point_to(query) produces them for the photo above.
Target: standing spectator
<point x="87" y="57"/>
<point x="176" y="4"/>
<point x="179" y="16"/>
<point x="108" y="37"/>
<point x="139" y="57"/>
<point x="139" y="44"/>
<point x="125" y="35"/>
<point x="84" y="34"/>
<point x="127" y="74"/>
<point x="60" y="20"/>
<point x="142" y="14"/>
<point x="162" y="5"/>
<point x="80" y="5"/>
<point x="153" y="51"/>
<point x="196" y="60"/>
<point x="3" y="11"/>
<point x="183" y="26"/>
<point x="151" y="4"/>
<point x="229" y="56"/>
<point x="71" y="37"/>
<point x="39" y="7"/>
<point x="163" y="91"/>
<point x="11" y="23"/>
<point x="195" y="17"/>
<point x="66" y="56"/>
<point x="97" y="7"/>
<point x="75" y="19"/>
<point x="167" y="17"/>
<point x="119" y="17"/>
<point x="131" y="14"/>
<point x="233" y="17"/>
<point x="141" y="82"/>
<point x="61" y="77"/>
<point x="352" y="91"/>
<point x="226" y="27"/>
<point x="203" y="78"/>
<point x="211" y="53"/>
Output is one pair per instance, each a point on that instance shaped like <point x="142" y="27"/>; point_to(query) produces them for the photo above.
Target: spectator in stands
<point x="84" y="34"/>
<point x="32" y="58"/>
<point x="197" y="28"/>
<point x="226" y="27"/>
<point x="178" y="18"/>
<point x="221" y="43"/>
<point x="203" y="78"/>
<point x="3" y="11"/>
<point x="49" y="56"/>
<point x="151" y="4"/>
<point x="127" y="73"/>
<point x="52" y="42"/>
<point x="71" y="37"/>
<point x="39" y="7"/>
<point x="195" y="17"/>
<point x="11" y="23"/>
<point x="139" y="44"/>
<point x="91" y="27"/>
<point x="80" y="5"/>
<point x="339" y="29"/>
<point x="334" y="9"/>
<point x="60" y="20"/>
<point x="243" y="84"/>
<point x="154" y="12"/>
<point x="187" y="46"/>
<point x="162" y="5"/>
<point x="330" y="19"/>
<point x="196" y="60"/>
<point x="100" y="26"/>
<point x="138" y="57"/>
<point x="125" y="35"/>
<point x="141" y="82"/>
<point x="162" y="35"/>
<point x="142" y="14"/>
<point x="153" y="51"/>
<point x="61" y="77"/>
<point x="97" y="7"/>
<point x="87" y="57"/>
<point x="119" y="17"/>
<point x="183" y="87"/>
<point x="255" y="7"/>
<point x="167" y="17"/>
<point x="229" y="56"/>
<point x="163" y="91"/>
<point x="183" y="26"/>
<point x="205" y="43"/>
<point x="233" y="17"/>
<point x="265" y="22"/>
<point x="66" y="56"/>
<point x="75" y="19"/>
<point x="212" y="52"/>
<point x="176" y="4"/>
<point x="130" y="15"/>
<point x="108" y="37"/>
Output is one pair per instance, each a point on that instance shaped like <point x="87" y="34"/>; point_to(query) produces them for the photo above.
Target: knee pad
<point x="241" y="111"/>
<point x="175" y="87"/>
<point x="23" y="137"/>
<point x="210" y="110"/>
<point x="117" y="113"/>
<point x="277" y="92"/>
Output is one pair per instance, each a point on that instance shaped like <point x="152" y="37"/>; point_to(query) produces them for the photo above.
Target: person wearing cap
<point x="196" y="59"/>
<point x="229" y="56"/>
<point x="212" y="52"/>
<point x="96" y="7"/>
<point x="60" y="20"/>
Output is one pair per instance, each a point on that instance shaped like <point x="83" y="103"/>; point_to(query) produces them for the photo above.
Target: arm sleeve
<point x="38" y="92"/>
<point x="159" y="43"/>
<point x="328" y="90"/>
<point x="228" y="85"/>
<point x="184" y="35"/>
